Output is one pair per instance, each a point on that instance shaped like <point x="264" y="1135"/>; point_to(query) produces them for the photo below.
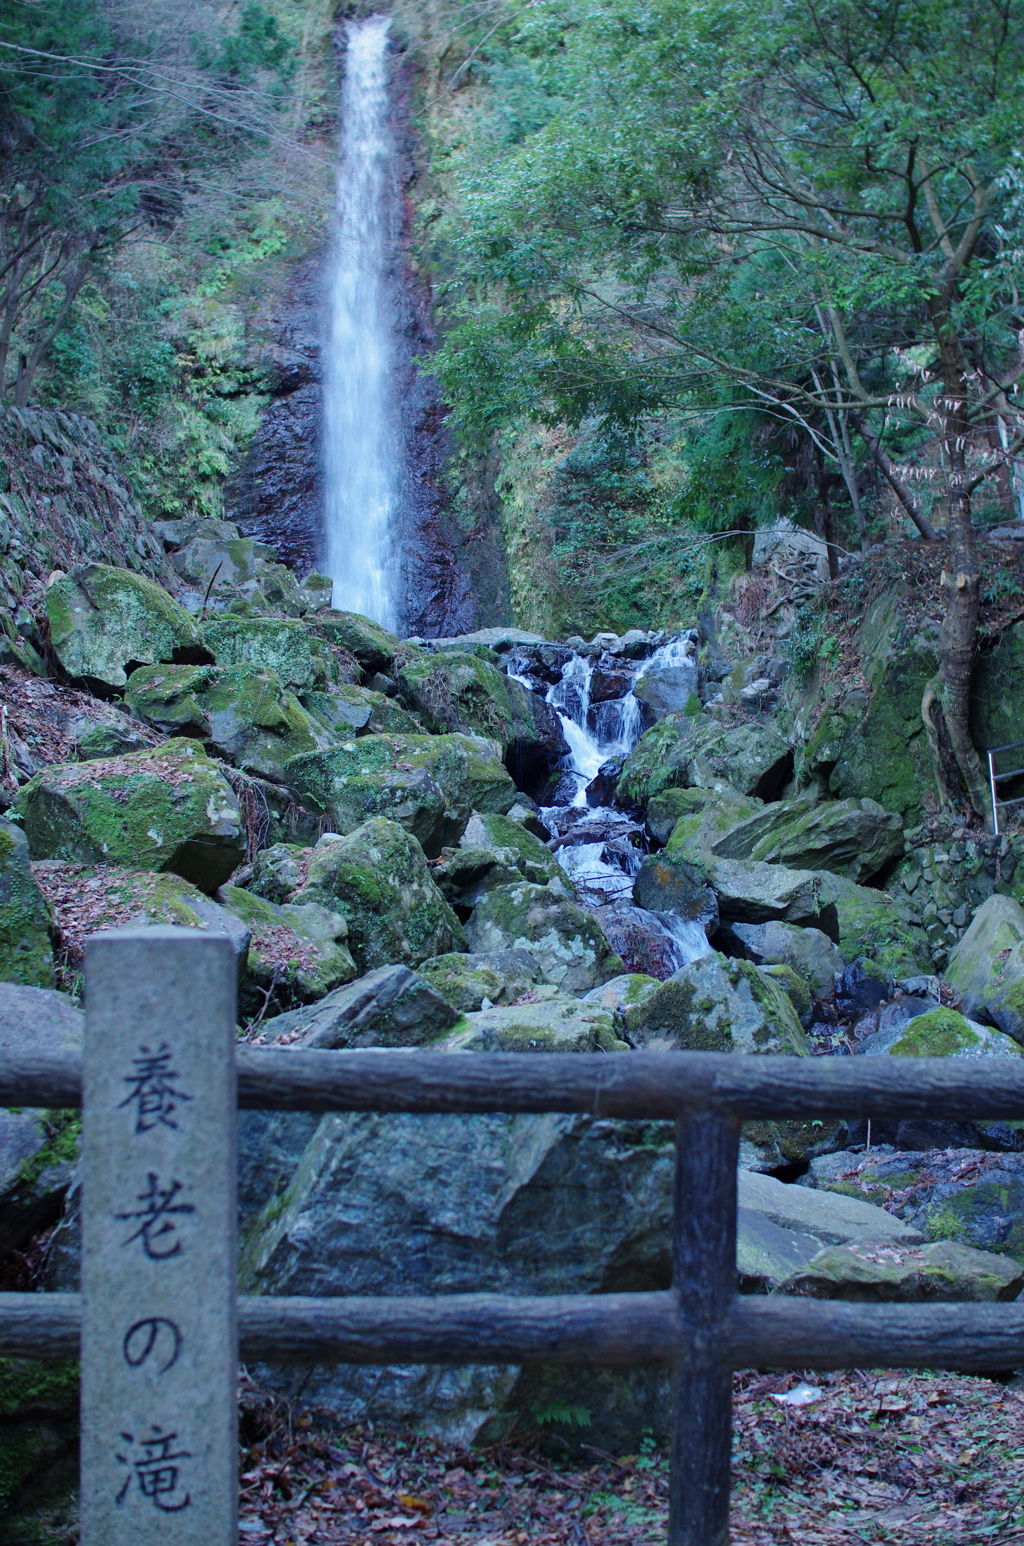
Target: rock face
<point x="389" y="1007"/>
<point x="240" y="713"/>
<point x="685" y="752"/>
<point x="380" y="882"/>
<point x="105" y="620"/>
<point x="987" y="966"/>
<point x="167" y="809"/>
<point x="286" y="646"/>
<point x="427" y="783"/>
<point x="26" y="954"/>
<point x="567" y="944"/>
<point x="296" y="952"/>
<point x="755" y="893"/>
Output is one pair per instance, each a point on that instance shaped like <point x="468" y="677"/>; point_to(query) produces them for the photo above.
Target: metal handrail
<point x="995" y="778"/>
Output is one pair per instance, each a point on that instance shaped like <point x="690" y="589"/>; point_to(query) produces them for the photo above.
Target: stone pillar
<point x="159" y="1342"/>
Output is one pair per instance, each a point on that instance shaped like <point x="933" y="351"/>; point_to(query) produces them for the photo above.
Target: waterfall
<point x="362" y="446"/>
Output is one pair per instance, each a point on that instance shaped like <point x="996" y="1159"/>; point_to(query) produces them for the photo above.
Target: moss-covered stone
<point x="31" y="1442"/>
<point x="566" y="943"/>
<point x="946" y="1034"/>
<point x="702" y="817"/>
<point x="240" y="713"/>
<point x="285" y="646"/>
<point x="168" y="809"/>
<point x="347" y="709"/>
<point x="471" y="981"/>
<point x="987" y="966"/>
<point x="279" y="871"/>
<point x="855" y="838"/>
<point x="422" y="781"/>
<point x="701" y="753"/>
<point x="456" y="690"/>
<point x="793" y="985"/>
<point x="373" y="647"/>
<point x="870" y="1272"/>
<point x="489" y="786"/>
<point x="105" y="620"/>
<point x="297" y="953"/>
<point x="717" y="1004"/>
<point x="555" y="1025"/>
<point x="871" y="926"/>
<point x="513" y="846"/>
<point x="378" y="878"/>
<point x="26" y="953"/>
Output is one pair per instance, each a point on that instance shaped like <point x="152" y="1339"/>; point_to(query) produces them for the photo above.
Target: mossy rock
<point x="871" y="926"/>
<point x="702" y="817"/>
<point x="373" y="646"/>
<point x="31" y="1443"/>
<point x="424" y="782"/>
<point x="868" y="1272"/>
<point x="240" y="713"/>
<point x="378" y="878"/>
<point x="660" y="760"/>
<point x="26" y="952"/>
<point x="168" y="809"/>
<point x="793" y="985"/>
<point x="718" y="1004"/>
<point x="285" y="646"/>
<point x="279" y="871"/>
<point x="347" y="709"/>
<point x="987" y="966"/>
<point x="566" y="943"/>
<point x="104" y="621"/>
<point x="489" y="786"/>
<point x="946" y="1034"/>
<point x="512" y="845"/>
<point x="555" y="1025"/>
<point x="855" y="838"/>
<point x="472" y="980"/>
<point x="456" y="690"/>
<point x="700" y="753"/>
<point x="297" y="953"/>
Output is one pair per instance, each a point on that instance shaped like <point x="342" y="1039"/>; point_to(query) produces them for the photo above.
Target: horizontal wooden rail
<point x="606" y="1329"/>
<point x="637" y="1084"/>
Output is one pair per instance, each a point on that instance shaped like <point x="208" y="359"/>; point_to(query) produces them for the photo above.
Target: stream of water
<point x="362" y="447"/>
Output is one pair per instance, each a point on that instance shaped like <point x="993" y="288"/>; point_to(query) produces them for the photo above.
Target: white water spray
<point x="362" y="448"/>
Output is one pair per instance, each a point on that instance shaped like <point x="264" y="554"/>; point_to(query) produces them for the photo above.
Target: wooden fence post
<point x="704" y="1277"/>
<point x="159" y="1344"/>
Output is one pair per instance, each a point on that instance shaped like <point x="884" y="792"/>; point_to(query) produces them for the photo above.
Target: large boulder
<point x="855" y="838"/>
<point x="240" y="713"/>
<point x="166" y="809"/>
<point x="457" y="690"/>
<point x="555" y="1024"/>
<point x="872" y="925"/>
<point x="752" y="892"/>
<point x="692" y="821"/>
<point x="716" y="1004"/>
<point x="650" y="943"/>
<point x="297" y="952"/>
<point x="987" y="966"/>
<point x="941" y="1033"/>
<point x="671" y="883"/>
<point x="474" y="980"/>
<point x="379" y="880"/>
<point x="567" y="944"/>
<point x="392" y="1006"/>
<point x="668" y="690"/>
<point x="208" y="560"/>
<point x="26" y="952"/>
<point x="283" y="645"/>
<point x="496" y="851"/>
<point x="427" y="783"/>
<point x="104" y="622"/>
<point x="346" y="709"/>
<point x="372" y="645"/>
<point x="873" y="1272"/>
<point x="701" y="753"/>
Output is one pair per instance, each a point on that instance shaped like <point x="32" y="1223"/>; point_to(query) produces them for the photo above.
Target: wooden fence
<point x="701" y="1328"/>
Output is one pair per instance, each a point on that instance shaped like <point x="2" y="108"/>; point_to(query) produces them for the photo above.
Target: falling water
<point x="362" y="446"/>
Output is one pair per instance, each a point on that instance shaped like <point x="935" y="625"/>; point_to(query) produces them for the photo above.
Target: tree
<point x="811" y="208"/>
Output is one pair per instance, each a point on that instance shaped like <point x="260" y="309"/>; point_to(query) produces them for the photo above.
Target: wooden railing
<point x="701" y="1328"/>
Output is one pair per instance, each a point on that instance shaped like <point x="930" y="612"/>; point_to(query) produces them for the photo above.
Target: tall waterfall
<point x="362" y="446"/>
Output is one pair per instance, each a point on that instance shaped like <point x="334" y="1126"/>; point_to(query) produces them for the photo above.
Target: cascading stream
<point x="362" y="446"/>
<point x="601" y="848"/>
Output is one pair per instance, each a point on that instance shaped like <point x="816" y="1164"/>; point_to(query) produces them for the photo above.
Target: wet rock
<point x="389" y="1007"/>
<point x="719" y="1005"/>
<point x="379" y="880"/>
<point x="240" y="713"/>
<point x="26" y="951"/>
<point x="105" y="621"/>
<point x="653" y="944"/>
<point x="476" y="980"/>
<point x="422" y="781"/>
<point x="667" y="882"/>
<point x="856" y="838"/>
<point x="280" y="644"/>
<point x="877" y="1272"/>
<point x="567" y="944"/>
<point x="987" y="966"/>
<point x="167" y="809"/>
<point x="601" y="790"/>
<point x="609" y="683"/>
<point x="347" y="709"/>
<point x="808" y="950"/>
<point x="496" y="851"/>
<point x="669" y="690"/>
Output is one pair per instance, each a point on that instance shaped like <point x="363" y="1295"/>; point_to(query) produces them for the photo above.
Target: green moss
<point x="62" y="1146"/>
<point x="31" y="1443"/>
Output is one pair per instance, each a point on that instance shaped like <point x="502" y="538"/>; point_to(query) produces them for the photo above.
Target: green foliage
<point x="810" y="643"/>
<point x="562" y="1414"/>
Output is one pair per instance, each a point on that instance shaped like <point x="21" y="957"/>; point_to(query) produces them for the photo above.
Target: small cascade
<point x="602" y="848"/>
<point x="362" y="446"/>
